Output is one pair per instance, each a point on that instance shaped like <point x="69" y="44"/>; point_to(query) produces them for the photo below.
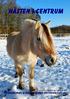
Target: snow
<point x="48" y="79"/>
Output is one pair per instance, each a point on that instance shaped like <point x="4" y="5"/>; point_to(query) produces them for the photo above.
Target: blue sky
<point x="56" y="19"/>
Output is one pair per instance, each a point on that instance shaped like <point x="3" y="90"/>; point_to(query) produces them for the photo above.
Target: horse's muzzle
<point x="49" y="60"/>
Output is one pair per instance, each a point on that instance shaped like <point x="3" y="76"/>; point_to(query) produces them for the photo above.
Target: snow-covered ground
<point x="53" y="82"/>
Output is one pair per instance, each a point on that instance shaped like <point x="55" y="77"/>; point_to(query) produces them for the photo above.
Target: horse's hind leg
<point x="16" y="75"/>
<point x="19" y="72"/>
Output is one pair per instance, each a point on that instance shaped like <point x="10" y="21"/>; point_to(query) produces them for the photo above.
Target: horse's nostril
<point x="52" y="60"/>
<point x="49" y="60"/>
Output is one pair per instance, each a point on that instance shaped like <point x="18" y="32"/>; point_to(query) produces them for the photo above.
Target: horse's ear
<point x="47" y="22"/>
<point x="37" y="25"/>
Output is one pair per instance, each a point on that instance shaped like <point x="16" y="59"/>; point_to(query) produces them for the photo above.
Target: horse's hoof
<point x="21" y="86"/>
<point x="23" y="71"/>
<point x="16" y="75"/>
<point x="33" y="90"/>
<point x="42" y="65"/>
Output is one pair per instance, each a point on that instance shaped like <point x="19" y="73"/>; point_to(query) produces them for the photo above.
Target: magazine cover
<point x="34" y="49"/>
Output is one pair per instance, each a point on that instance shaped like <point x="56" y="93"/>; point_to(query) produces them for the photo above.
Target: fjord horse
<point x="34" y="40"/>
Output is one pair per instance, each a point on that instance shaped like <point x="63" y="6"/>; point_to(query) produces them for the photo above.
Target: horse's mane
<point x="48" y="33"/>
<point x="45" y="29"/>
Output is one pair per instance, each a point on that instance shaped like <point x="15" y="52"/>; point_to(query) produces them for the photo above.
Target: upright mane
<point x="45" y="29"/>
<point x="48" y="33"/>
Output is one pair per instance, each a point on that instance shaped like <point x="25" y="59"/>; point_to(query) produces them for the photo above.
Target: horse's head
<point x="42" y="43"/>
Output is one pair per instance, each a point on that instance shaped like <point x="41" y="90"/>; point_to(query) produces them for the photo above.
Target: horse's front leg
<point x="19" y="72"/>
<point x="16" y="75"/>
<point x="31" y="80"/>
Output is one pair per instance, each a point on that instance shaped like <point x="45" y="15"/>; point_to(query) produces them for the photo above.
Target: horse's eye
<point x="38" y="39"/>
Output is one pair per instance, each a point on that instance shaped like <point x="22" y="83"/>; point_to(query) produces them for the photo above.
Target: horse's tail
<point x="14" y="33"/>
